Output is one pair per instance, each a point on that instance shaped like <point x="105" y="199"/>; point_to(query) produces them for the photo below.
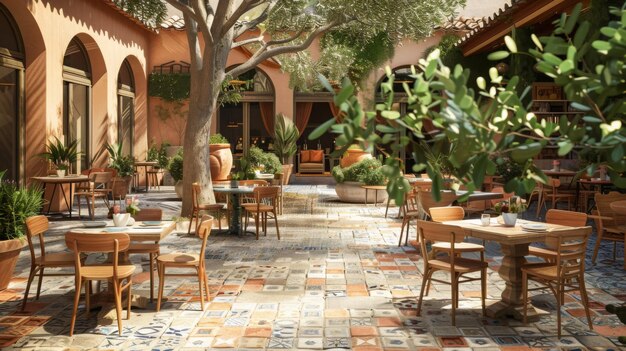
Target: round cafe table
<point x="57" y="181"/>
<point x="234" y="194"/>
<point x="145" y="165"/>
<point x="620" y="208"/>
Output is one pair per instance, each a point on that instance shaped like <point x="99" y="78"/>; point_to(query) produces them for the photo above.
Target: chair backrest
<point x="448" y="213"/>
<point x="571" y="249"/>
<point x="195" y="194"/>
<point x="554" y="182"/>
<point x="566" y="218"/>
<point x="36" y="226"/>
<point x="101" y="180"/>
<point x="426" y="199"/>
<point x="204" y="231"/>
<point x="149" y="214"/>
<point x="266" y="194"/>
<point x="603" y="205"/>
<point x="439" y="232"/>
<point x="112" y="243"/>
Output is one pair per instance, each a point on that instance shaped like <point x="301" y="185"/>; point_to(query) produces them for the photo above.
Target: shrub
<point x="218" y="138"/>
<point x="176" y="166"/>
<point x="368" y="171"/>
<point x="337" y="173"/>
<point x="18" y="203"/>
<point x="258" y="159"/>
<point x="375" y="177"/>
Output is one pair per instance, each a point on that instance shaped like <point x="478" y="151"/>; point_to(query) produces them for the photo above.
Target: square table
<point x="514" y="242"/>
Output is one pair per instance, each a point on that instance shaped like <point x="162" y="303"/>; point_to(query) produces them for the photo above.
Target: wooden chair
<point x="36" y="226"/>
<point x="560" y="217"/>
<point x="150" y="249"/>
<point x="551" y="192"/>
<point x="416" y="208"/>
<point x="609" y="225"/>
<point x="186" y="261"/>
<point x="451" y="262"/>
<point x="245" y="198"/>
<point x="99" y="187"/>
<point x="265" y="198"/>
<point x="198" y="207"/>
<point x="152" y="177"/>
<point x="566" y="274"/>
<point x="119" y="275"/>
<point x="452" y="213"/>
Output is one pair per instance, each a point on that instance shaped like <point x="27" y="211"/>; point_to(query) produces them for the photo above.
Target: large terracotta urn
<point x="353" y="156"/>
<point x="9" y="253"/>
<point x="220" y="161"/>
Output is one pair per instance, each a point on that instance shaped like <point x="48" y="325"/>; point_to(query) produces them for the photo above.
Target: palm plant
<point x="18" y="203"/>
<point x="124" y="165"/>
<point x="62" y="156"/>
<point x="286" y="135"/>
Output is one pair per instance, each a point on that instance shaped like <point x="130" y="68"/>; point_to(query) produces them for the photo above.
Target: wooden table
<point x="514" y="243"/>
<point x="559" y="173"/>
<point x="480" y="195"/>
<point x="234" y="194"/>
<point x="376" y="189"/>
<point x="620" y="208"/>
<point x="593" y="182"/>
<point x="56" y="181"/>
<point x="145" y="165"/>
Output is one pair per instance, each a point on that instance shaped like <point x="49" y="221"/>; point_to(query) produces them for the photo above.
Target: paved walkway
<point x="335" y="280"/>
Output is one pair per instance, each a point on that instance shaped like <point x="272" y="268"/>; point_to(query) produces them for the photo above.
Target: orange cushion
<point x="305" y="156"/>
<point x="317" y="156"/>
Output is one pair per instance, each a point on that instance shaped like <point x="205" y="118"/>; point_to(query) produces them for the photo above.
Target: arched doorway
<point x="77" y="100"/>
<point x="11" y="97"/>
<point x="126" y="108"/>
<point x="251" y="121"/>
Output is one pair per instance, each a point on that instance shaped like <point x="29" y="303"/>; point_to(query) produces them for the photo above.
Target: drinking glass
<point x="485" y="219"/>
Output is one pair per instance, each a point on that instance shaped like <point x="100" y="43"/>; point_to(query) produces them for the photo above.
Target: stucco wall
<point x="109" y="37"/>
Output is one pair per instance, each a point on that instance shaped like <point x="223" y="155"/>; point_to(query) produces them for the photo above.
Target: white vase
<point x="121" y="219"/>
<point x="60" y="173"/>
<point x="509" y="219"/>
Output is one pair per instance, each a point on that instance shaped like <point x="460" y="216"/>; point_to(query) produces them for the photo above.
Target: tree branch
<point x="201" y="13"/>
<point x="263" y="55"/>
<point x="185" y="9"/>
<point x="254" y="22"/>
<point x="237" y="44"/>
<point x="227" y="23"/>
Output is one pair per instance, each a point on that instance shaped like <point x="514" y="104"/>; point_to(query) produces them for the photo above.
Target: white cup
<point x="485" y="219"/>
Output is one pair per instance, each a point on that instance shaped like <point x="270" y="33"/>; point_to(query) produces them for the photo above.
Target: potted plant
<point x="510" y="209"/>
<point x="220" y="157"/>
<point x="285" y="137"/>
<point x="18" y="203"/>
<point x="125" y="167"/>
<point x="349" y="180"/>
<point x="60" y="155"/>
<point x="176" y="170"/>
<point x="353" y="155"/>
<point x="259" y="161"/>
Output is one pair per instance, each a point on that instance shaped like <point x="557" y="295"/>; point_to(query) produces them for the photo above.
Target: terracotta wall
<point x="47" y="27"/>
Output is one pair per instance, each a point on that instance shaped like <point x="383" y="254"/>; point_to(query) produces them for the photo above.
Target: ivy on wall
<point x="170" y="86"/>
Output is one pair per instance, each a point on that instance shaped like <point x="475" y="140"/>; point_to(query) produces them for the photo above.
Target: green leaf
<point x="498" y="55"/>
<point x="566" y="66"/>
<point x="325" y="83"/>
<point x="581" y="34"/>
<point x="321" y="130"/>
<point x="572" y="19"/>
<point x="618" y="153"/>
<point x="510" y="44"/>
<point x="344" y="94"/>
<point x="523" y="153"/>
<point x="481" y="82"/>
<point x="390" y="114"/>
<point x="536" y="41"/>
<point x="565" y="147"/>
<point x="602" y="45"/>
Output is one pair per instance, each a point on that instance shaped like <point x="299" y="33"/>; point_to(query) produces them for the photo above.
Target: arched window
<point x="77" y="100"/>
<point x="126" y="108"/>
<point x="11" y="97"/>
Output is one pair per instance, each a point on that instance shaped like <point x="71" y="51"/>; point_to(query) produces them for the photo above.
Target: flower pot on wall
<point x="178" y="188"/>
<point x="353" y="156"/>
<point x="9" y="253"/>
<point x="220" y="161"/>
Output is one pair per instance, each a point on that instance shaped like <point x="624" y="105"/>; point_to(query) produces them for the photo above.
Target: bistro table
<point x="376" y="189"/>
<point x="234" y="194"/>
<point x="514" y="242"/>
<point x="56" y="181"/>
<point x="145" y="165"/>
<point x="620" y="208"/>
<point x="138" y="232"/>
<point x="591" y="183"/>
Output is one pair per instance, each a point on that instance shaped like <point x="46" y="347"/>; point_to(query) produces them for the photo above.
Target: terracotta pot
<point x="178" y="188"/>
<point x="121" y="187"/>
<point x="287" y="169"/>
<point x="220" y="161"/>
<point x="9" y="253"/>
<point x="353" y="156"/>
<point x="353" y="193"/>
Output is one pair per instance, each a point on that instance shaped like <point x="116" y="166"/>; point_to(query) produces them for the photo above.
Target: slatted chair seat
<point x="103" y="272"/>
<point x="183" y="258"/>
<point x="459" y="247"/>
<point x="463" y="265"/>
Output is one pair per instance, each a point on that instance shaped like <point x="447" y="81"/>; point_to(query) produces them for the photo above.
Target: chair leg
<point x="483" y="288"/>
<point x="75" y="310"/>
<point x="402" y="230"/>
<point x="151" y="255"/>
<point x="597" y="247"/>
<point x="585" y="298"/>
<point x="256" y="222"/>
<point x="199" y="271"/>
<point x="425" y="280"/>
<point x="118" y="305"/>
<point x="87" y="295"/>
<point x="408" y="226"/>
<point x="161" y="270"/>
<point x="387" y="207"/>
<point x="206" y="284"/>
<point x="31" y="276"/>
<point x="455" y="292"/>
<point x="39" y="282"/>
<point x="191" y="221"/>
<point x="130" y="297"/>
<point x="559" y="301"/>
<point x="276" y="222"/>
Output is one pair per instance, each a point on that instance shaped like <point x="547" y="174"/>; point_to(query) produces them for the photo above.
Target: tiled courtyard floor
<point x="335" y="280"/>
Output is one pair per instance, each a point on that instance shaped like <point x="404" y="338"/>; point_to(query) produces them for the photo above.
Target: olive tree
<point x="491" y="123"/>
<point x="271" y="28"/>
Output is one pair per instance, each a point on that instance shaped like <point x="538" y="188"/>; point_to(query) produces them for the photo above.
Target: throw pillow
<point x="305" y="156"/>
<point x="317" y="156"/>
